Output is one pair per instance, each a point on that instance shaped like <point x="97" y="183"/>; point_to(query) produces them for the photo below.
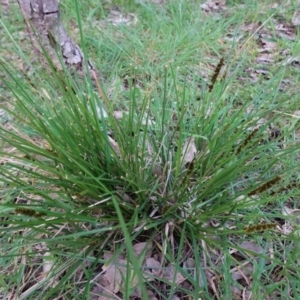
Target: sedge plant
<point x="66" y="185"/>
<point x="198" y="171"/>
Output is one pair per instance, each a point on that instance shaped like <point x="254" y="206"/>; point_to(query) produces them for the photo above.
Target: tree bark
<point x="48" y="35"/>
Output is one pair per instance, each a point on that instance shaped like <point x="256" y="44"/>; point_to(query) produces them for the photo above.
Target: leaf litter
<point x="113" y="276"/>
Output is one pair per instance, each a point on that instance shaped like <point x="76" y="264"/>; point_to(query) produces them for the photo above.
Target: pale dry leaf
<point x="153" y="266"/>
<point x="48" y="263"/>
<point x="267" y="43"/>
<point x="169" y="274"/>
<point x="252" y="200"/>
<point x="114" y="274"/>
<point x="262" y="71"/>
<point x="211" y="5"/>
<point x="291" y="60"/>
<point x="247" y="295"/>
<point x="189" y="151"/>
<point x="95" y="292"/>
<point x="107" y="256"/>
<point x="117" y="18"/>
<point x="286" y="211"/>
<point x="2" y="112"/>
<point x="114" y="146"/>
<point x="45" y="93"/>
<point x="285" y="30"/>
<point x="103" y="280"/>
<point x="101" y="112"/>
<point x="189" y="263"/>
<point x="251" y="27"/>
<point x="137" y="293"/>
<point x="144" y="248"/>
<point x="260" y="122"/>
<point x="297" y="113"/>
<point x="294" y="222"/>
<point x="251" y="246"/>
<point x="265" y="58"/>
<point x="118" y="114"/>
<point x="149" y="147"/>
<point x="157" y="171"/>
<point x="287" y="228"/>
<point x="296" y="18"/>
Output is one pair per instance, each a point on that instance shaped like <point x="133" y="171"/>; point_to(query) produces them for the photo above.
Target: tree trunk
<point x="48" y="35"/>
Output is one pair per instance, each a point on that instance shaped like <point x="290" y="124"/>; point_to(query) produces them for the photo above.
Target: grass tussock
<point x="188" y="185"/>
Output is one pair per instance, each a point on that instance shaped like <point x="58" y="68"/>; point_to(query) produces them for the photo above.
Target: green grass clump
<point x="194" y="165"/>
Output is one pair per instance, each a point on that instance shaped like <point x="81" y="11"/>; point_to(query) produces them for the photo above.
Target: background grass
<point x="61" y="165"/>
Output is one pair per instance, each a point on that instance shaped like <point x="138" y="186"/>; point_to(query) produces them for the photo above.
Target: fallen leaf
<point x="104" y="281"/>
<point x="140" y="248"/>
<point x="297" y="113"/>
<point x="189" y="151"/>
<point x="117" y="18"/>
<point x="251" y="246"/>
<point x="267" y="43"/>
<point x="211" y="5"/>
<point x="296" y="18"/>
<point x="153" y="266"/>
<point x="113" y="275"/>
<point x="190" y="263"/>
<point x="265" y="58"/>
<point x="107" y="255"/>
<point x="294" y="221"/>
<point x="114" y="146"/>
<point x="170" y="272"/>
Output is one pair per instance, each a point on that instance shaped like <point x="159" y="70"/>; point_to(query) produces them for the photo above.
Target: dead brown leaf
<point x="251" y="246"/>
<point x="267" y="43"/>
<point x="117" y="18"/>
<point x="189" y="151"/>
<point x="251" y="27"/>
<point x="190" y="263"/>
<point x="296" y="18"/>
<point x="294" y="221"/>
<point x="153" y="267"/>
<point x="213" y="5"/>
<point x="173" y="275"/>
<point x="285" y="30"/>
<point x="113" y="275"/>
<point x="266" y="59"/>
<point x="140" y="248"/>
